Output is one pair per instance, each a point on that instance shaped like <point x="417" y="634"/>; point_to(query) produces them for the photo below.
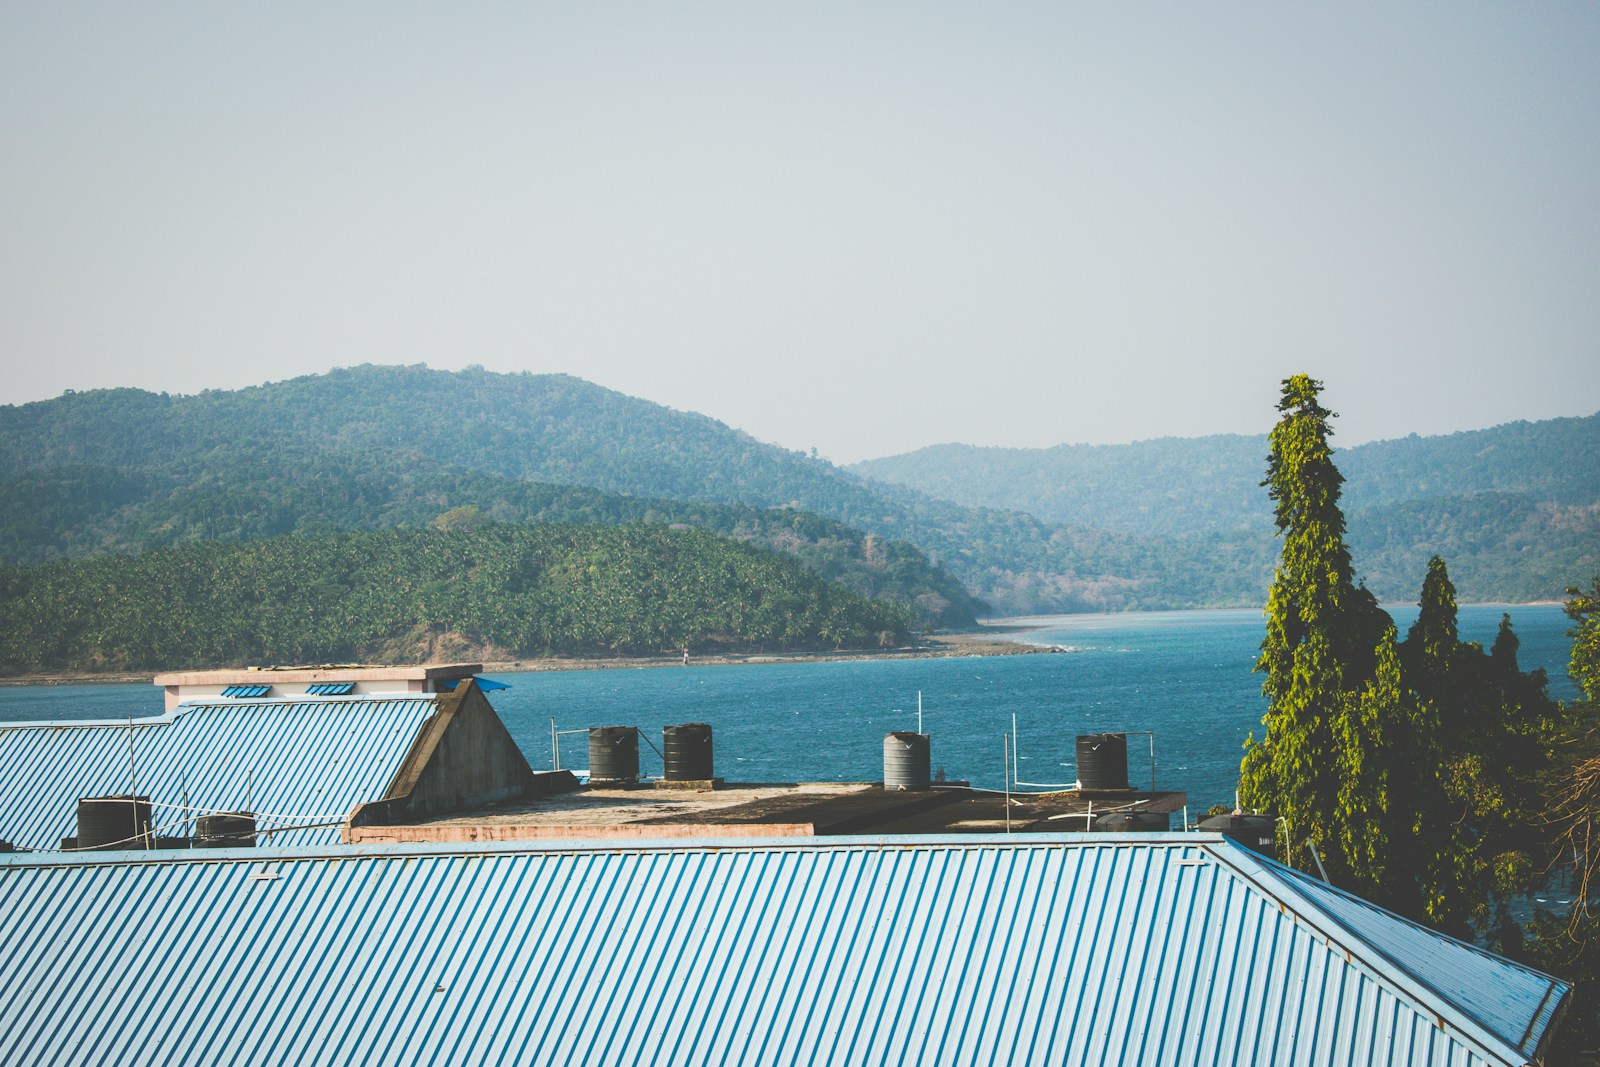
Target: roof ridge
<point x="1390" y="967"/>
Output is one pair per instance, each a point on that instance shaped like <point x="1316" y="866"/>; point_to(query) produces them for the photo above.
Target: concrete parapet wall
<point x="462" y="759"/>
<point x="458" y="832"/>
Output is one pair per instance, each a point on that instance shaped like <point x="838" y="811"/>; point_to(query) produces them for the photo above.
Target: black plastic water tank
<point x="1133" y="822"/>
<point x="1255" y="832"/>
<point x="613" y="754"/>
<point x="115" y="822"/>
<point x="686" y="752"/>
<point x="227" y="829"/>
<point x="906" y="761"/>
<point x="1102" y="761"/>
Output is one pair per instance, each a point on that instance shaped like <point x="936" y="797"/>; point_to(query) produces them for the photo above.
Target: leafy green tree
<point x="1583" y="608"/>
<point x="1569" y="944"/>
<point x="1412" y="765"/>
<point x="1323" y="631"/>
<point x="1374" y="742"/>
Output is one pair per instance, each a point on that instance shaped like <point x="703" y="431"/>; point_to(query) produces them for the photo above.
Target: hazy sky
<point x="860" y="227"/>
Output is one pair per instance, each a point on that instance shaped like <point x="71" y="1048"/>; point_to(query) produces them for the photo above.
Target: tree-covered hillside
<point x="1186" y="486"/>
<point x="1164" y="524"/>
<point x="373" y="447"/>
<point x="1168" y="487"/>
<point x="408" y="595"/>
<point x="74" y="512"/>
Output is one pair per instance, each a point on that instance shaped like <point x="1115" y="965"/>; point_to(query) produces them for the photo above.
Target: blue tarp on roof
<point x="1079" y="949"/>
<point x="484" y="684"/>
<point x="296" y="762"/>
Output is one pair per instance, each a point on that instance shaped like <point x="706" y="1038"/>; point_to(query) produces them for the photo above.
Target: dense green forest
<point x="1167" y="524"/>
<point x="492" y="590"/>
<point x="72" y="512"/>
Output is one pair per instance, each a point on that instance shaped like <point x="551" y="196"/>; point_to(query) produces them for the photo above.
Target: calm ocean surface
<point x="1183" y="675"/>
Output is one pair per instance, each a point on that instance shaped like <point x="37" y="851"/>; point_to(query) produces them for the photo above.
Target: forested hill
<point x="1179" y="524"/>
<point x="75" y="512"/>
<point x="544" y="428"/>
<point x="370" y="447"/>
<point x="1187" y="486"/>
<point x="497" y="591"/>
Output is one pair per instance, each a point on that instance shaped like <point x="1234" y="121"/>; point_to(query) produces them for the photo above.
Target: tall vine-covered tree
<point x="1323" y="632"/>
<point x="1409" y="765"/>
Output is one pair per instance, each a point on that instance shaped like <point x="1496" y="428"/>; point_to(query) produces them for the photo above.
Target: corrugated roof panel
<point x="297" y="762"/>
<point x="1498" y="1000"/>
<point x="954" y="950"/>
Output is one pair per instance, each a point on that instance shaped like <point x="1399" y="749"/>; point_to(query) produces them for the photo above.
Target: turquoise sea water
<point x="1186" y="676"/>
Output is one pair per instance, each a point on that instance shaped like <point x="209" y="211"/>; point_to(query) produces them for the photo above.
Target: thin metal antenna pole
<point x="1016" y="744"/>
<point x="1006" y="765"/>
<point x="555" y="746"/>
<point x="919" y="711"/>
<point x="1312" y="848"/>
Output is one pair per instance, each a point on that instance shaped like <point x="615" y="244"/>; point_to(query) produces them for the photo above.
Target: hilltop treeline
<point x="495" y="591"/>
<point x="1162" y="524"/>
<point x="78" y="511"/>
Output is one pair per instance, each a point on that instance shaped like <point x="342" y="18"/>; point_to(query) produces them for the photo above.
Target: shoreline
<point x="940" y="646"/>
<point x="983" y="641"/>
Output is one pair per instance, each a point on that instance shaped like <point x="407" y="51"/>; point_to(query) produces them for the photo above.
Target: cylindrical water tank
<point x="228" y="829"/>
<point x="1133" y="822"/>
<point x="115" y="822"/>
<point x="686" y="752"/>
<point x="1102" y="761"/>
<point x="613" y="754"/>
<point x="906" y="758"/>
<point x="1255" y="832"/>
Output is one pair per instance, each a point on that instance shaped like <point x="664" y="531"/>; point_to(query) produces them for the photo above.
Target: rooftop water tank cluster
<point x="686" y="754"/>
<point x="125" y="822"/>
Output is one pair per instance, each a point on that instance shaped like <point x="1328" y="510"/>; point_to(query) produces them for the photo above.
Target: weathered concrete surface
<point x="433" y="833"/>
<point x="463" y="759"/>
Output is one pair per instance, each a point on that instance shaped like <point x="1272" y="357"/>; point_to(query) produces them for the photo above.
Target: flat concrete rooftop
<point x="778" y="809"/>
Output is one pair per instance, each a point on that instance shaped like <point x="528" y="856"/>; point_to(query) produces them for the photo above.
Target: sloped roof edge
<point x="1300" y="893"/>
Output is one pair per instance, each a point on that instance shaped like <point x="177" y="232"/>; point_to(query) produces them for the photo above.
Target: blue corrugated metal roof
<point x="331" y="689"/>
<point x="1170" y="949"/>
<point x="298" y="762"/>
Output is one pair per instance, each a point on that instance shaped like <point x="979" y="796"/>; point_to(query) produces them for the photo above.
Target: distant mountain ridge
<point x="1187" y="486"/>
<point x="1170" y="524"/>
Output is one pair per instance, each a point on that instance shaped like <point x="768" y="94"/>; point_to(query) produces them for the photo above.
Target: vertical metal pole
<point x="555" y="746"/>
<point x="1320" y="868"/>
<point x="1152" y="761"/>
<point x="1016" y="743"/>
<point x="1006" y="766"/>
<point x="919" y="711"/>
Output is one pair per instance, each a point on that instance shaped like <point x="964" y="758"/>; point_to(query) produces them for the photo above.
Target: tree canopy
<point x="1410" y="766"/>
<point x="491" y="590"/>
